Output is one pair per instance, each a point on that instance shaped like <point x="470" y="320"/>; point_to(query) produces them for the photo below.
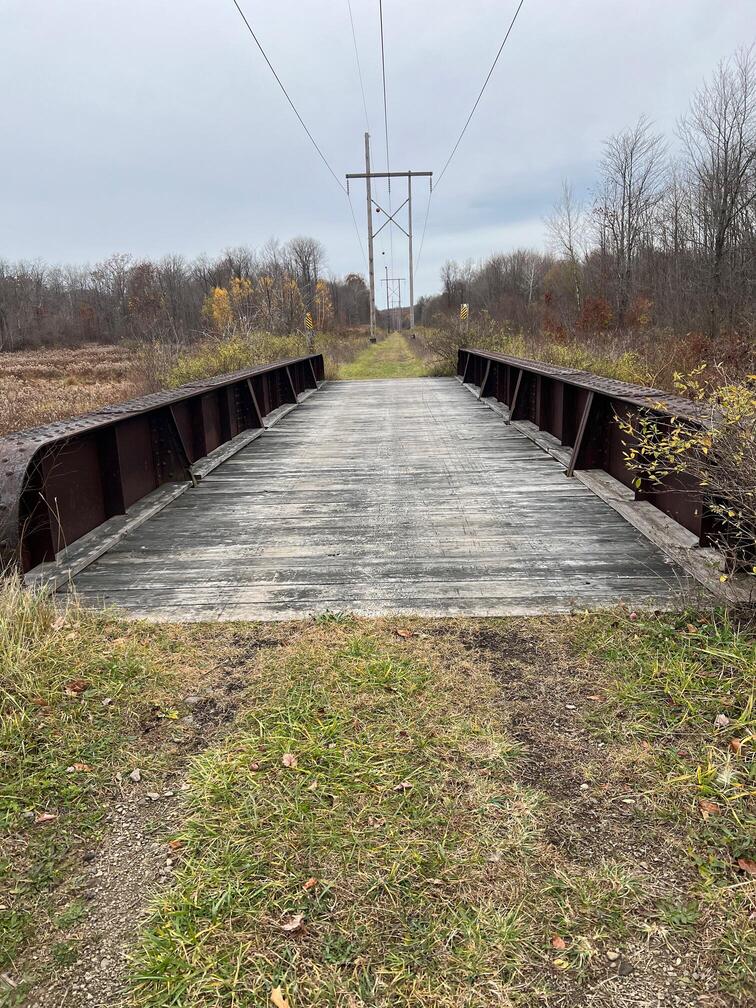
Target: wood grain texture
<point x="375" y="497"/>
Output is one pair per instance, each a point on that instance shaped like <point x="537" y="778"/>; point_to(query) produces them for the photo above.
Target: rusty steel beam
<point x="60" y="481"/>
<point x="582" y="411"/>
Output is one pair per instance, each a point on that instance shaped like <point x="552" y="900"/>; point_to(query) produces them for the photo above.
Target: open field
<point x="37" y="386"/>
<point x="373" y="812"/>
<point x="42" y="385"/>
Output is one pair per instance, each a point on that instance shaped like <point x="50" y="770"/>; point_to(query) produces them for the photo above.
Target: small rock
<point x="88" y="856"/>
<point x="625" y="968"/>
<point x="135" y="776"/>
<point x="612" y="956"/>
<point x="153" y="795"/>
<point x="192" y="700"/>
<point x="583" y="787"/>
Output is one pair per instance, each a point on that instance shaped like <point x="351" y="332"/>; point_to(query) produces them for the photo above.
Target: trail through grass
<point x="432" y="813"/>
<point x="391" y="357"/>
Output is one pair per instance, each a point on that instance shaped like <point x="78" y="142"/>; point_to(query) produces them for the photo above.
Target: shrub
<point x="719" y="454"/>
<point x="235" y="350"/>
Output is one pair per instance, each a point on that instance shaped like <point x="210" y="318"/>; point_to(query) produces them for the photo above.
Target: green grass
<point x="392" y="357"/>
<point x="73" y="686"/>
<point x="400" y="908"/>
<point x="682" y="700"/>
<point x="368" y="831"/>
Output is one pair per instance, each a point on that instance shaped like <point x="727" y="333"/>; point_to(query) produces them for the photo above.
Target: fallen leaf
<point x="45" y="817"/>
<point x="75" y="687"/>
<point x="278" y="999"/>
<point x="746" y="865"/>
<point x="310" y="884"/>
<point x="403" y="786"/>
<point x="289" y="760"/>
<point x="736" y="745"/>
<point x="561" y="964"/>
<point x="721" y="721"/>
<point x="78" y="768"/>
<point x="405" y="633"/>
<point x="708" y="807"/>
<point x="59" y="622"/>
<point x="633" y="616"/>
<point x="254" y="766"/>
<point x="294" y="923"/>
<point x="313" y="786"/>
<point x="175" y="844"/>
<point x="557" y="942"/>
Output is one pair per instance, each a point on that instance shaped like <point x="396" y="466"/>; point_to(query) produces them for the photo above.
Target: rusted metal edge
<point x="657" y="400"/>
<point x="25" y="454"/>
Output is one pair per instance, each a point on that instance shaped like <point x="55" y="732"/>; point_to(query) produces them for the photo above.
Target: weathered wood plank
<point x="379" y="497"/>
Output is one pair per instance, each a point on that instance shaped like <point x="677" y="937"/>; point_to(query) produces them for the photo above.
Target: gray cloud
<point x="156" y="127"/>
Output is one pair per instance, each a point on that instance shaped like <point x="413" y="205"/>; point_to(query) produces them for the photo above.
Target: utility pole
<point x="370" y="236"/>
<point x="390" y="218"/>
<point x="393" y="295"/>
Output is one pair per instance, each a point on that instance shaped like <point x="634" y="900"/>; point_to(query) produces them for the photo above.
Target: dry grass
<point x="39" y="386"/>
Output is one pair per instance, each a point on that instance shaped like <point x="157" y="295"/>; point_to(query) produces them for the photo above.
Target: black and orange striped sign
<point x="309" y="324"/>
<point x="464" y="312"/>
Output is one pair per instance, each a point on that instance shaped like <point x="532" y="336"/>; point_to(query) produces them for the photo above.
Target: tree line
<point x="176" y="299"/>
<point x="668" y="238"/>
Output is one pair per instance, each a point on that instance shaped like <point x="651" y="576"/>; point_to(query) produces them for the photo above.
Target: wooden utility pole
<point x="390" y="218"/>
<point x="370" y="236"/>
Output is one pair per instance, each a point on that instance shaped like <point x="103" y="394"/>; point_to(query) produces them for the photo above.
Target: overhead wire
<point x="386" y="132"/>
<point x="359" y="67"/>
<point x="294" y="108"/>
<point x="480" y="95"/>
<point x="464" y="128"/>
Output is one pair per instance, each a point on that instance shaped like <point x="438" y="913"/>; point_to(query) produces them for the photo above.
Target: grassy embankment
<point x="418" y="812"/>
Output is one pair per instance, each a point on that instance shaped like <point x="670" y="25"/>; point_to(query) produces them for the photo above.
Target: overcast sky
<point x="154" y="126"/>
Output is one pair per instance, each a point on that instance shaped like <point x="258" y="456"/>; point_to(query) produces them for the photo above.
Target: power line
<point x="385" y="129"/>
<point x="288" y="99"/>
<point x="464" y="130"/>
<point x="359" y="68"/>
<point x="477" y="100"/>
<point x="304" y="125"/>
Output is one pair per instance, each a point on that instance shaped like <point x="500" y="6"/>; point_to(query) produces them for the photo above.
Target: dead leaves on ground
<point x="708" y="807"/>
<point x="75" y="687"/>
<point x="294" y="923"/>
<point x="289" y="760"/>
<point x="278" y="999"/>
<point x="746" y="865"/>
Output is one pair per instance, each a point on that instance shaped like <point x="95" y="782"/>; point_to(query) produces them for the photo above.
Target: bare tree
<point x="719" y="136"/>
<point x="566" y="226"/>
<point x="633" y="179"/>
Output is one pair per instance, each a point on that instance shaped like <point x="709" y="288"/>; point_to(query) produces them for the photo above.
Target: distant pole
<point x="388" y="303"/>
<point x="411" y="263"/>
<point x="370" y="237"/>
<point x="399" y="327"/>
<point x="390" y="220"/>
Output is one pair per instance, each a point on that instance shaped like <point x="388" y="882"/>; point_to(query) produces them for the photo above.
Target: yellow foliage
<point x="217" y="308"/>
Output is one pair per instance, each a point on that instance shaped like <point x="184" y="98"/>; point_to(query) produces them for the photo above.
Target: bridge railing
<point x="60" y="481"/>
<point x="583" y="412"/>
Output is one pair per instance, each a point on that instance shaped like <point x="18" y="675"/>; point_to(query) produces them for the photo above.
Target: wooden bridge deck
<point x="404" y="496"/>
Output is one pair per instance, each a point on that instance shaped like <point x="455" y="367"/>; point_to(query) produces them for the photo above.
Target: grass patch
<point x="683" y="700"/>
<point x="380" y="835"/>
<point x="73" y="687"/>
<point x="392" y="357"/>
